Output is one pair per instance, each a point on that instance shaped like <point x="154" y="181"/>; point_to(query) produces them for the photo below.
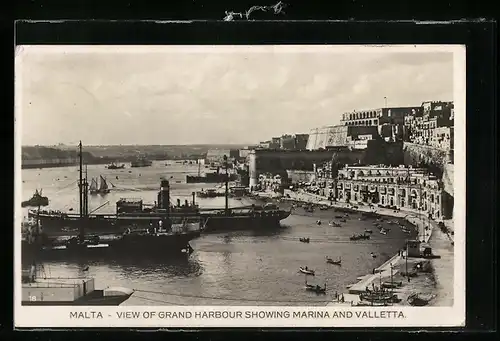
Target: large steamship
<point x="134" y="212"/>
<point x="119" y="232"/>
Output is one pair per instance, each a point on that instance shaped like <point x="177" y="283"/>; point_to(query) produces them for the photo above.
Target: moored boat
<point x="113" y="165"/>
<point x="419" y="300"/>
<point x="359" y="237"/>
<point x="306" y="271"/>
<point x="315" y="288"/>
<point x="141" y="162"/>
<point x="55" y="291"/>
<point x="334" y="262"/>
<point x="209" y="193"/>
<point x="379" y="297"/>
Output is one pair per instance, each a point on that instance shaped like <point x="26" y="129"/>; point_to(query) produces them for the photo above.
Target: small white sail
<point x="104" y="184"/>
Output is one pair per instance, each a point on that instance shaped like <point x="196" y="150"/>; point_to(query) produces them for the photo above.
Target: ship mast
<point x="83" y="189"/>
<point x="80" y="181"/>
<point x="227" y="186"/>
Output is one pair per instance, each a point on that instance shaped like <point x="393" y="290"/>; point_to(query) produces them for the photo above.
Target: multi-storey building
<point x="217" y="155"/>
<point x="301" y="141"/>
<point x="433" y="126"/>
<point x="406" y="188"/>
<point x="272" y="182"/>
<point x="265" y="145"/>
<point x="287" y="142"/>
<point x="377" y="117"/>
<point x="275" y="143"/>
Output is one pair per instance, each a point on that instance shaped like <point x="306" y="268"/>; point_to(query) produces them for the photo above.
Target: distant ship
<point x="215" y="177"/>
<point x="141" y="162"/>
<point x="36" y="200"/>
<point x="209" y="193"/>
<point x="113" y="165"/>
<point x="101" y="188"/>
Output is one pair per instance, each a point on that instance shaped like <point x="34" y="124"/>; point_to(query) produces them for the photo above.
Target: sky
<point x="178" y="95"/>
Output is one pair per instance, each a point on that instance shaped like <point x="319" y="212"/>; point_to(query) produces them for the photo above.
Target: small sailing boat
<point x="101" y="188"/>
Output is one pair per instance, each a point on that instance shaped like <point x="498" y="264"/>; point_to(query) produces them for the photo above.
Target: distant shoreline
<point x="60" y="165"/>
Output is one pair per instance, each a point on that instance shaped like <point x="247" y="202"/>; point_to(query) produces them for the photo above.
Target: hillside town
<point x="395" y="157"/>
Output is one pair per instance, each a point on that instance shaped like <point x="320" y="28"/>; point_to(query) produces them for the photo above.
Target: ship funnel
<point x="178" y="202"/>
<point x="164" y="195"/>
<point x="194" y="198"/>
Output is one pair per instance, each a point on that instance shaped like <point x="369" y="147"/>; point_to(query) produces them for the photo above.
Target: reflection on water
<point x="231" y="268"/>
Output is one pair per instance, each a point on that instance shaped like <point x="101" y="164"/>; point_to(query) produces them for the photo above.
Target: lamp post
<point x="226" y="207"/>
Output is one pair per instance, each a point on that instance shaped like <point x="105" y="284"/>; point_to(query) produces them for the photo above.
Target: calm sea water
<point x="233" y="268"/>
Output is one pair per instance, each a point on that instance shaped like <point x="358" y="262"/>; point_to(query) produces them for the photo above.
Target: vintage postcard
<point x="240" y="186"/>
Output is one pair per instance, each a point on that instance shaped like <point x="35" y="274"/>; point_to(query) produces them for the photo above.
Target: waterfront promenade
<point x="441" y="243"/>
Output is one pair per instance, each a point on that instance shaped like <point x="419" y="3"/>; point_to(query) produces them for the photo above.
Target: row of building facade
<point x="286" y="142"/>
<point x="404" y="188"/>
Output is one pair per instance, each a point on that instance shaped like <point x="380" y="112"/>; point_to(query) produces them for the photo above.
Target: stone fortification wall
<point x="335" y="136"/>
<point x="419" y="155"/>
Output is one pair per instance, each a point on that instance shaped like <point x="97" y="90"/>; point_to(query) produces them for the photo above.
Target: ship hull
<point x="69" y="224"/>
<point x="117" y="224"/>
<point x="55" y="225"/>
<point x="111" y="246"/>
<point x="243" y="222"/>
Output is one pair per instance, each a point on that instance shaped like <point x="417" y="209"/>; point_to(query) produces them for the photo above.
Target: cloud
<point x="171" y="97"/>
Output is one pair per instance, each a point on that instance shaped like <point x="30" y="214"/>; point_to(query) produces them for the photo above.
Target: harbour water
<point x="231" y="268"/>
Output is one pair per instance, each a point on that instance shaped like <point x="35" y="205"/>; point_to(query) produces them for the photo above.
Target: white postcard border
<point x="41" y="317"/>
